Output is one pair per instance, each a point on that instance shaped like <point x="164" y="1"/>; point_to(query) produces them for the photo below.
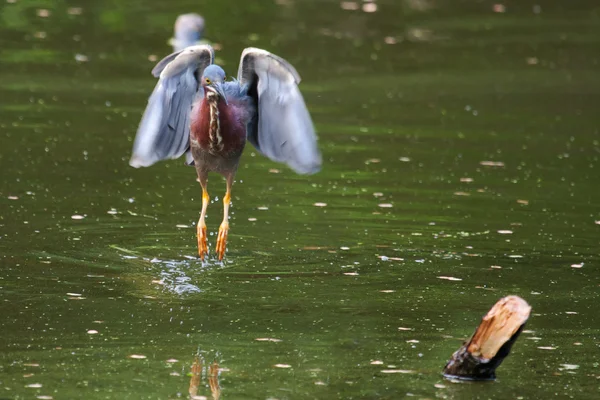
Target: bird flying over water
<point x="194" y="111"/>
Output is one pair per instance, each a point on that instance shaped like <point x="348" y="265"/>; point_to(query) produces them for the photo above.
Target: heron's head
<point x="212" y="82"/>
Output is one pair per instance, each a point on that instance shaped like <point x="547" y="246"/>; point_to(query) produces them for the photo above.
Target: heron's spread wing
<point x="164" y="131"/>
<point x="282" y="129"/>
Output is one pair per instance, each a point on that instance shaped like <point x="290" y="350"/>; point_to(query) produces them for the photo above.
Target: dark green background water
<point x="408" y="102"/>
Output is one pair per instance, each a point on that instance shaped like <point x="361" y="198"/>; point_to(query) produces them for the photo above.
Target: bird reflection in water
<point x="199" y="373"/>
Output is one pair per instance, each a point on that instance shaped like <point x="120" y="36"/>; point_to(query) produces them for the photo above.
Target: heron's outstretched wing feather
<point x="282" y="129"/>
<point x="164" y="131"/>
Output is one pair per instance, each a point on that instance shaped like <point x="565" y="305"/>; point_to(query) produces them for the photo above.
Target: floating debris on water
<point x="569" y="366"/>
<point x="74" y="10"/>
<point x="369" y="7"/>
<point x="349" y="5"/>
<point x="397" y="371"/>
<point x="274" y="340"/>
<point x="499" y="8"/>
<point x="386" y="258"/>
<point x="449" y="278"/>
<point x="34" y="385"/>
<point x="492" y="163"/>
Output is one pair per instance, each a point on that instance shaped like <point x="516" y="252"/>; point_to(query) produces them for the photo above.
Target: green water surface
<point x="461" y="150"/>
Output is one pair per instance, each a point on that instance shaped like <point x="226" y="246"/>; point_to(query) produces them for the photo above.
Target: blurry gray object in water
<point x="189" y="29"/>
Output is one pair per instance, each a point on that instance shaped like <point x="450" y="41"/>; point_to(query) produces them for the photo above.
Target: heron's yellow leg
<point x="224" y="228"/>
<point x="201" y="228"/>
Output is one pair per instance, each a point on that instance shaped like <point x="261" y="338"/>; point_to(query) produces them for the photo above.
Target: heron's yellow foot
<point x="202" y="245"/>
<point x="222" y="239"/>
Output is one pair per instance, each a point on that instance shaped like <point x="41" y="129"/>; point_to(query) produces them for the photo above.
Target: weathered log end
<point x="479" y="357"/>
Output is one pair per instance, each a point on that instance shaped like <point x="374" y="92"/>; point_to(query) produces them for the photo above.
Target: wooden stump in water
<point x="479" y="357"/>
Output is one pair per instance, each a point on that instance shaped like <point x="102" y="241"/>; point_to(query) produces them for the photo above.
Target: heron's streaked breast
<point x="214" y="125"/>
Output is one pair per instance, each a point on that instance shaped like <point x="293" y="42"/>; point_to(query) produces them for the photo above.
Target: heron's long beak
<point x="218" y="87"/>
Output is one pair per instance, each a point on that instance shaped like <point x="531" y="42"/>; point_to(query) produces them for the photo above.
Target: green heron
<point x="194" y="111"/>
<point x="188" y="31"/>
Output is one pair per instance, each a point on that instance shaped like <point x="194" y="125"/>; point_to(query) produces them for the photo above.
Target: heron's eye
<point x="207" y="81"/>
